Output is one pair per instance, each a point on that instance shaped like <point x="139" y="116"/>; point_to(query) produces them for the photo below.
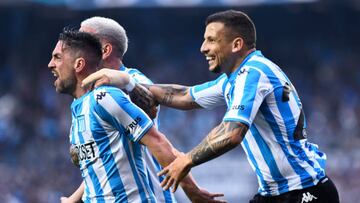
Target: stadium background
<point x="315" y="42"/>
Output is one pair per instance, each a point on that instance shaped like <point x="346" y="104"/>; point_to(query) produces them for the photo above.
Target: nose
<point x="203" y="48"/>
<point x="51" y="64"/>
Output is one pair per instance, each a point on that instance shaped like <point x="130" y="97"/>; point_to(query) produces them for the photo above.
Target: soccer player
<point x="264" y="114"/>
<point x="114" y="42"/>
<point x="108" y="130"/>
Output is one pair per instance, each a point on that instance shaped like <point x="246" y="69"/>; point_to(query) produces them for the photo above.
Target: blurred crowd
<point x="317" y="47"/>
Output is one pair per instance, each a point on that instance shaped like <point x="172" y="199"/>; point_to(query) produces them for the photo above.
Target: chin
<point x="214" y="69"/>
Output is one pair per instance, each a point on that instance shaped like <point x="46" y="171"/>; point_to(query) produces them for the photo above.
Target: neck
<point x="112" y="63"/>
<point x="80" y="91"/>
<point x="239" y="60"/>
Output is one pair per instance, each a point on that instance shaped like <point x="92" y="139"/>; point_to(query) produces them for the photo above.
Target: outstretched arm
<point x="163" y="151"/>
<point x="220" y="140"/>
<point x="145" y="96"/>
<point x="175" y="96"/>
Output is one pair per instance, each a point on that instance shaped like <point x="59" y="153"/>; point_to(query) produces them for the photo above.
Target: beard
<point x="67" y="86"/>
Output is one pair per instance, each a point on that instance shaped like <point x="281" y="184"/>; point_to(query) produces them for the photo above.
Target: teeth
<point x="55" y="75"/>
<point x="210" y="58"/>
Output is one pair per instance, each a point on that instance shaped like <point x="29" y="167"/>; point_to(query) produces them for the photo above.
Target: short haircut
<point x="239" y="24"/>
<point x="110" y="30"/>
<point x="82" y="44"/>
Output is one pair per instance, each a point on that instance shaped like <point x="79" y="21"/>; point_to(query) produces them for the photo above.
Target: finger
<point x="216" y="195"/>
<point x="176" y="184"/>
<point x="169" y="184"/>
<point x="218" y="201"/>
<point x="91" y="78"/>
<point x="164" y="182"/>
<point x="163" y="172"/>
<point x="102" y="81"/>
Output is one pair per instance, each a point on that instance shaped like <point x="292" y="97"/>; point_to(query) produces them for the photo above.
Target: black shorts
<point x="324" y="192"/>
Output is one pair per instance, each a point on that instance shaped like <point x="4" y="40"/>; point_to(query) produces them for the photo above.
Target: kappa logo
<point x="100" y="96"/>
<point x="307" y="197"/>
<point x="243" y="71"/>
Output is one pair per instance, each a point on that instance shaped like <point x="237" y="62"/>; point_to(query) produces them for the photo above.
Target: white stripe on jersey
<point x="97" y="163"/>
<point x="119" y="153"/>
<point x="294" y="107"/>
<point x="110" y="105"/>
<point x="152" y="165"/>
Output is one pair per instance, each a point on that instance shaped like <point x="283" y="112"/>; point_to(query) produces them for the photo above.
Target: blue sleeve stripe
<point x="237" y="120"/>
<point x="207" y="85"/>
<point x="191" y="93"/>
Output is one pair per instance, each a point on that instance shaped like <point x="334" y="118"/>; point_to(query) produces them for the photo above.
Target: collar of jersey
<point x="122" y="67"/>
<point x="80" y="99"/>
<point x="233" y="75"/>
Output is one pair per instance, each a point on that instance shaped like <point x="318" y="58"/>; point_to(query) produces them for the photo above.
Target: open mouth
<point x="55" y="75"/>
<point x="210" y="59"/>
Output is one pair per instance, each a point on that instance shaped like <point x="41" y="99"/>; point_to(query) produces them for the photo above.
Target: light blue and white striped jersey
<point x="106" y="129"/>
<point x="162" y="196"/>
<point x="260" y="95"/>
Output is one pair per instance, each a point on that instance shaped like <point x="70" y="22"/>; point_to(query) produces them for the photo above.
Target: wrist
<point x="131" y="85"/>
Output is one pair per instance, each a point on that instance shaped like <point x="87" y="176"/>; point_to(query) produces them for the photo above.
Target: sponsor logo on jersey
<point x="86" y="151"/>
<point x="132" y="126"/>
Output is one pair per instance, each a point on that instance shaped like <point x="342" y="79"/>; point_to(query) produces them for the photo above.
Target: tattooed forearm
<point x="143" y="98"/>
<point x="220" y="140"/>
<point x="176" y="96"/>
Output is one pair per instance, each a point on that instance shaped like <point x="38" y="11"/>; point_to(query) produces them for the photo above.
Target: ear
<point x="238" y="44"/>
<point x="106" y="50"/>
<point x="79" y="64"/>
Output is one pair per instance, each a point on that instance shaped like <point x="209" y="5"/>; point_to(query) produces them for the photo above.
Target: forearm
<point x="175" y="96"/>
<point x="77" y="195"/>
<point x="220" y="140"/>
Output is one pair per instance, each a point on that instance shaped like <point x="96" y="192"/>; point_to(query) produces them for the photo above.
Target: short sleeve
<point x="210" y="94"/>
<point x="113" y="106"/>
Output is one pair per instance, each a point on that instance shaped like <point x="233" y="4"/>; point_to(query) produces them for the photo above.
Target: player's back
<point x="106" y="128"/>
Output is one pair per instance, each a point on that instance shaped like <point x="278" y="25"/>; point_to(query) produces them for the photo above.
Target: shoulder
<point x="138" y="76"/>
<point x="105" y="93"/>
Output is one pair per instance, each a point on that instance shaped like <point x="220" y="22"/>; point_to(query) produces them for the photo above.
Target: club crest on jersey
<point x="132" y="126"/>
<point x="81" y="123"/>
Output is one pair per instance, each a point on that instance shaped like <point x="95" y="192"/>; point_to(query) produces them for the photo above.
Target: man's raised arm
<point x="145" y="96"/>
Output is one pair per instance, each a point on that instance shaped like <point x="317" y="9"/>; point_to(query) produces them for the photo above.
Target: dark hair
<point x="82" y="43"/>
<point x="238" y="22"/>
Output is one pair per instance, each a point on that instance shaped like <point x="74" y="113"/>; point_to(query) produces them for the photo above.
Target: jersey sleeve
<point x="139" y="76"/>
<point x="113" y="106"/>
<point x="209" y="94"/>
<point x="250" y="89"/>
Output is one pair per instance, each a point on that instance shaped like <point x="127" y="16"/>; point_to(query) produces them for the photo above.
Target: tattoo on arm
<point x="172" y="95"/>
<point x="219" y="141"/>
<point x="143" y="98"/>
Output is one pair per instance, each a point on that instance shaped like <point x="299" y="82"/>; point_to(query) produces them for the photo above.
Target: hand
<point x="175" y="172"/>
<point x="67" y="200"/>
<point x="202" y="196"/>
<point x="74" y="155"/>
<point x="107" y="76"/>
